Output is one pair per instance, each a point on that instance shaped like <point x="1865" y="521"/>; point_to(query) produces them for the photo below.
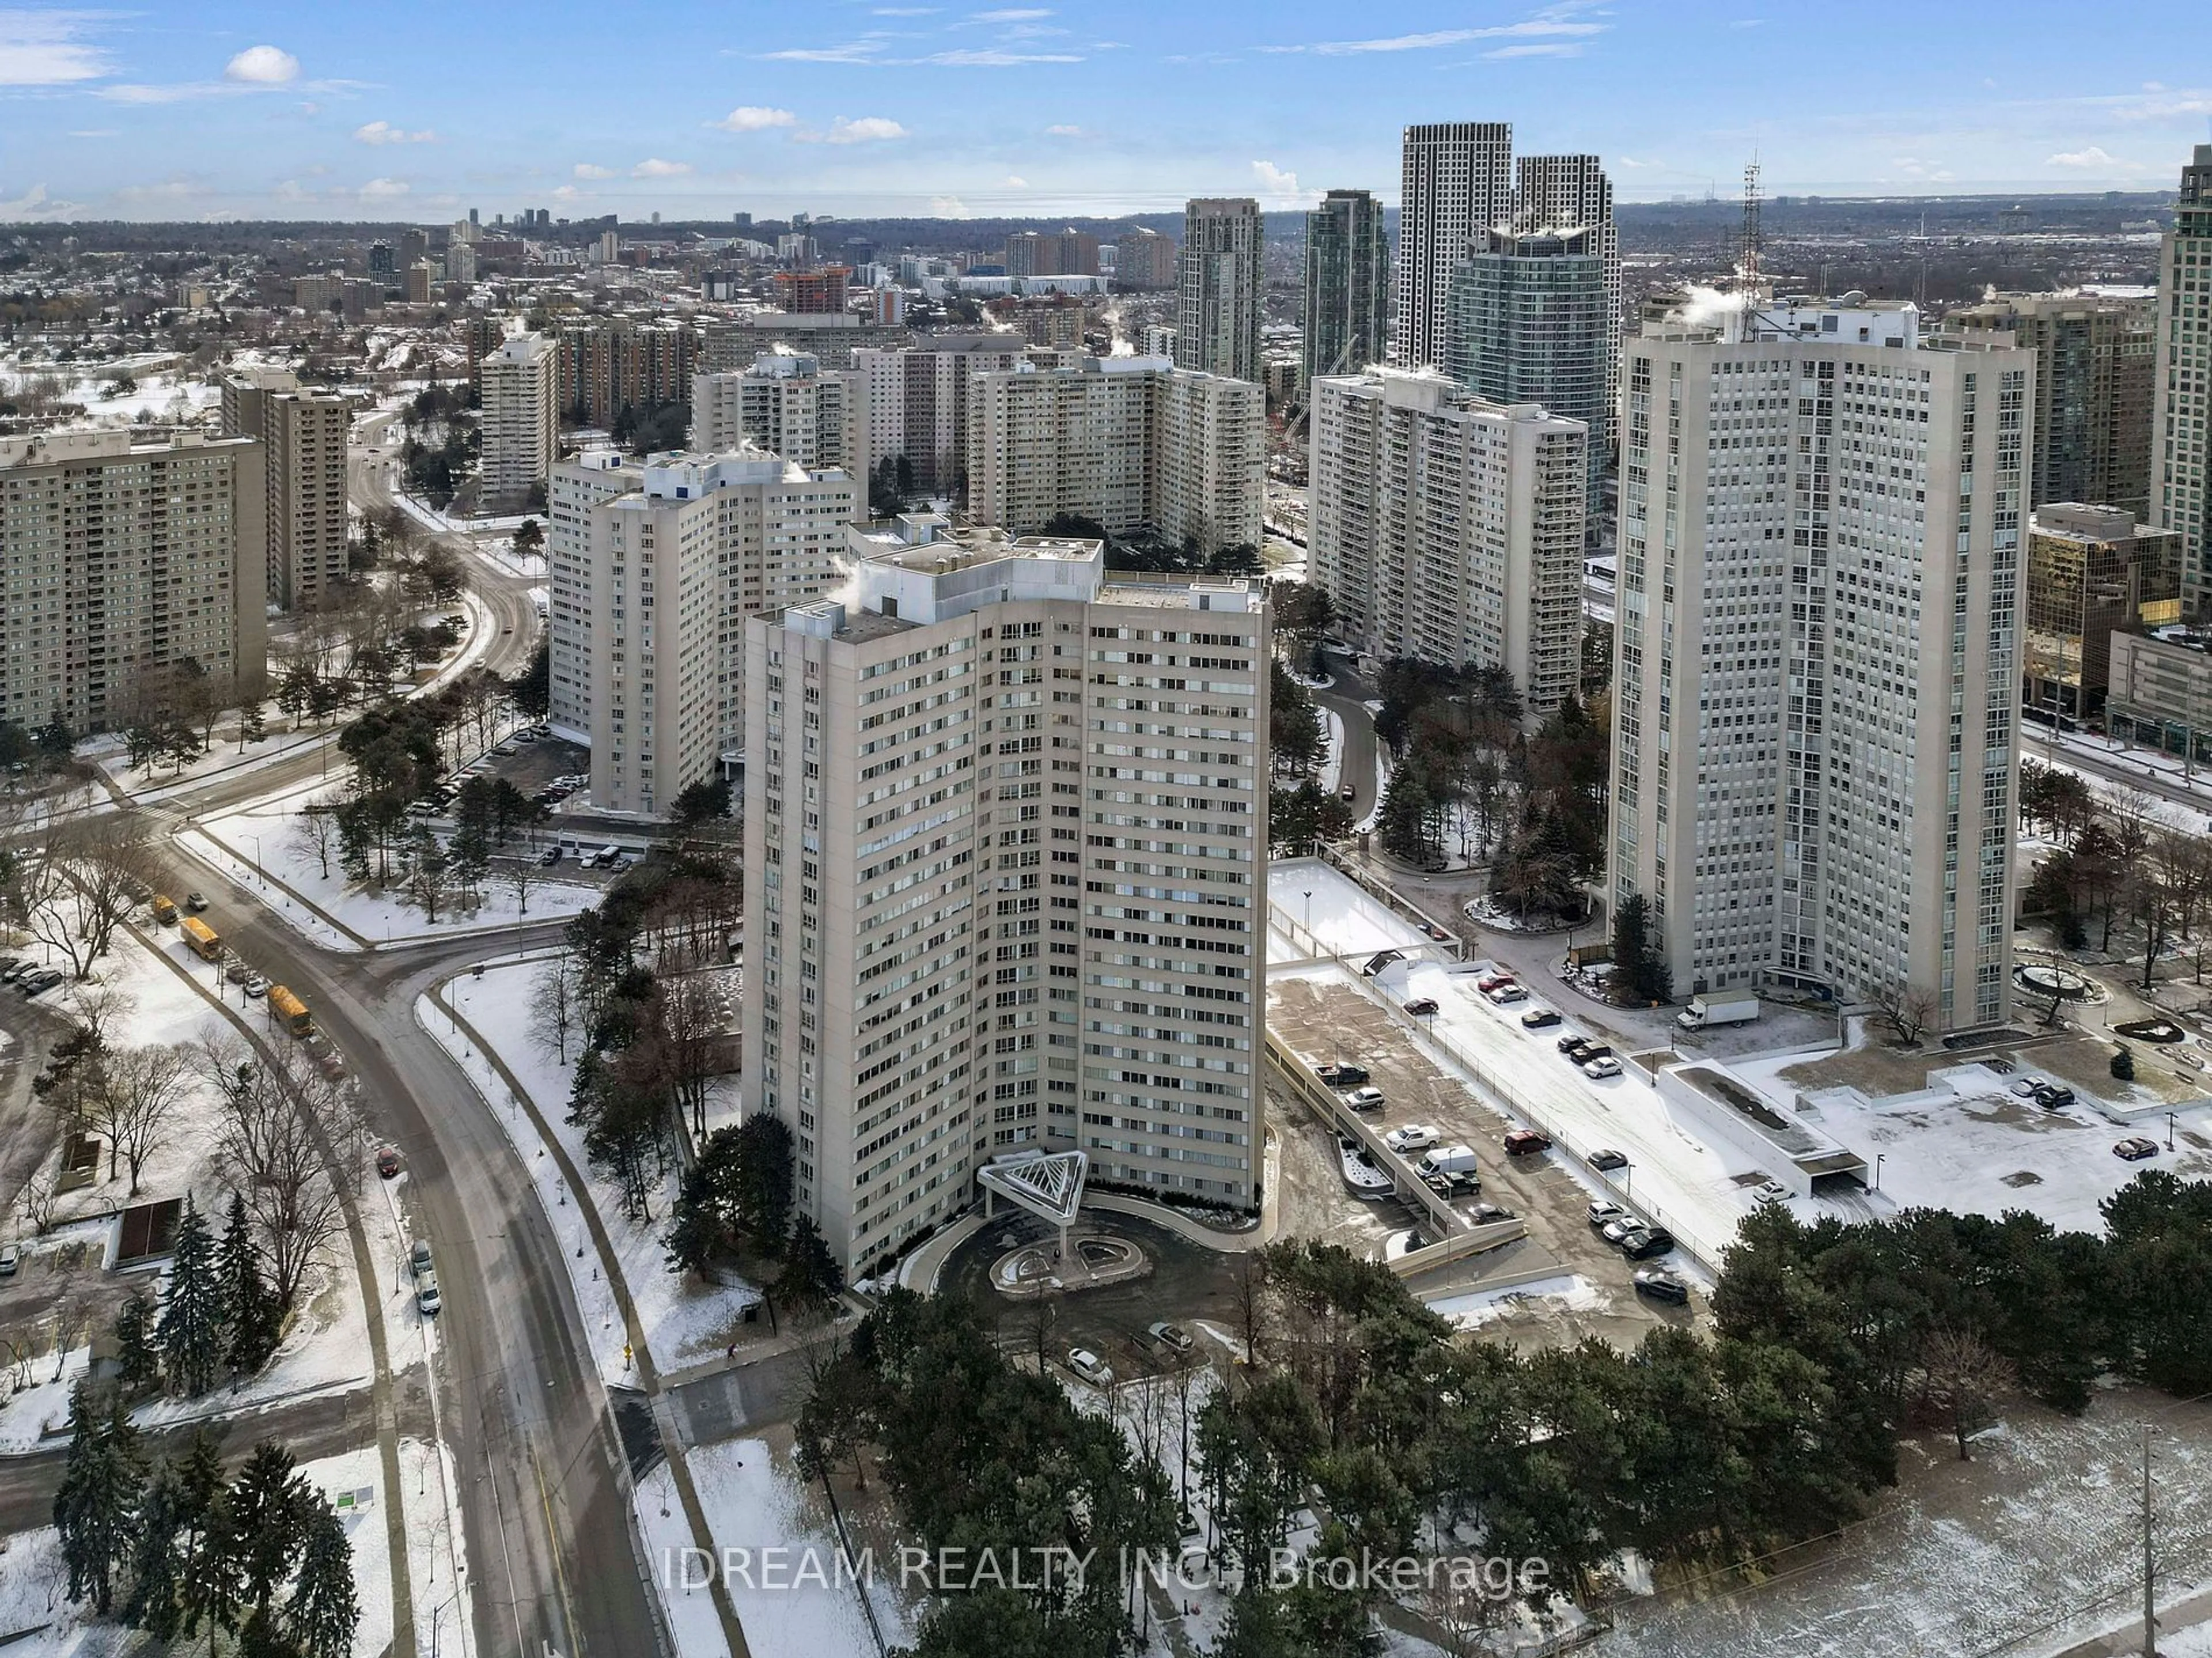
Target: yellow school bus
<point x="164" y="911"/>
<point x="285" y="1006"/>
<point x="203" y="938"/>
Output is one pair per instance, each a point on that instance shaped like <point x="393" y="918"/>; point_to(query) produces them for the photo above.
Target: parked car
<point x="13" y="967"/>
<point x="1414" y="1137"/>
<point x="1602" y="1214"/>
<point x="1607" y="1066"/>
<point x="1589" y="1051"/>
<point x="1341" y="1076"/>
<point x="1089" y="1367"/>
<point x="1365" y="1099"/>
<point x="1440" y="934"/>
<point x="1457" y="1184"/>
<point x="1421" y="1007"/>
<point x="551" y="856"/>
<point x="11" y="1260"/>
<point x="2053" y="1095"/>
<point x="1661" y="1284"/>
<point x="1506" y="995"/>
<point x="387" y="1162"/>
<point x="255" y="985"/>
<point x="1171" y="1336"/>
<point x="1647" y="1241"/>
<point x="418" y="1257"/>
<point x="1526" y="1143"/>
<point x="428" y="1301"/>
<point x="2027" y="1087"/>
<point x="1490" y="981"/>
<point x="1483" y="1214"/>
<point x="1619" y="1228"/>
<point x="1605" y="1157"/>
<point x="238" y="973"/>
<point x="1345" y="791"/>
<point x="1536" y="1018"/>
<point x="2135" y="1148"/>
<point x="39" y="982"/>
<point x="1571" y="1040"/>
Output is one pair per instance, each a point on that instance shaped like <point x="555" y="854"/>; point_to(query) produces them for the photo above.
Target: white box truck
<point x="1719" y="1007"/>
<point x="1447" y="1160"/>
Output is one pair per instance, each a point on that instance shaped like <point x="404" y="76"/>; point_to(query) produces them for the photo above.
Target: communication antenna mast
<point x="1750" y="261"/>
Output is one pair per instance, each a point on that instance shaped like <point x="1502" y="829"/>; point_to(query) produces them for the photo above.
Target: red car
<point x="1492" y="980"/>
<point x="387" y="1162"/>
<point x="1526" y="1142"/>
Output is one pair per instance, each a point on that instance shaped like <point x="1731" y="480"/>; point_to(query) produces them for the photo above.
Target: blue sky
<point x="403" y="109"/>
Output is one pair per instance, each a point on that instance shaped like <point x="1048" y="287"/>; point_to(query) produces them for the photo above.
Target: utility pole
<point x="2150" y="1612"/>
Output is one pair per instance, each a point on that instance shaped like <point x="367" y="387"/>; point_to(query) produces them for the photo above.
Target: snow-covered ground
<point x="1340" y="917"/>
<point x="326" y="1348"/>
<point x="1975" y="1149"/>
<point x="499" y="550"/>
<point x="256" y="845"/>
<point x="165" y="396"/>
<point x="681" y="1322"/>
<point x="2069" y="750"/>
<point x="446" y="524"/>
<point x="754" y="1499"/>
<point x="683" y="1579"/>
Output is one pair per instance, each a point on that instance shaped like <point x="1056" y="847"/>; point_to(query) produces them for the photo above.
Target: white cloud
<point x="1065" y="132"/>
<point x="42" y="50"/>
<point x="1553" y="22"/>
<point x="947" y="207"/>
<point x="383" y="190"/>
<point x="867" y="50"/>
<point x="567" y="193"/>
<point x="170" y="190"/>
<point x="1009" y="15"/>
<point x="585" y="170"/>
<point x="2091" y="157"/>
<point x="263" y="66"/>
<point x="868" y="129"/>
<point x="1278" y="188"/>
<point x="35" y="203"/>
<point x="996" y="58"/>
<point x="1538" y="49"/>
<point x="1014" y="183"/>
<point x="1630" y="162"/>
<point x="653" y="167"/>
<point x="97" y="132"/>
<point x="755" y="117"/>
<point x="902" y="11"/>
<point x="383" y="132"/>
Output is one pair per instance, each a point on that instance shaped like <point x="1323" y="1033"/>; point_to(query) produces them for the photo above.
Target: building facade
<point x="917" y="402"/>
<point x="2092" y="572"/>
<point x="997" y="912"/>
<point x="136" y="573"/>
<point x="609" y="365"/>
<point x="1528" y="320"/>
<point x="2096" y="372"/>
<point x="521" y="423"/>
<point x="819" y="290"/>
<point x="2160" y="692"/>
<point x="1132" y="443"/>
<point x="654" y="569"/>
<point x="1219" y="289"/>
<point x="1144" y="260"/>
<point x="1345" y="298"/>
<point x="2181" y="413"/>
<point x="1456" y="182"/>
<point x="1572" y="193"/>
<point x="303" y="451"/>
<point x="1449" y="529"/>
<point x="788" y="405"/>
<point x="1817" y="654"/>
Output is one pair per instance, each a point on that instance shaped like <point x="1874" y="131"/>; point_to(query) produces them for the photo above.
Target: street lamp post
<point x="2169" y="1131"/>
<point x="256" y="839"/>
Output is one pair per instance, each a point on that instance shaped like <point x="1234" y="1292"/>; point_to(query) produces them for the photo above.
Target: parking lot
<point x="1323" y="1018"/>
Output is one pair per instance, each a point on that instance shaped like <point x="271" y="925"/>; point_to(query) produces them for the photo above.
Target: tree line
<point x="175" y="1547"/>
<point x="1355" y="1404"/>
<point x="2122" y="871"/>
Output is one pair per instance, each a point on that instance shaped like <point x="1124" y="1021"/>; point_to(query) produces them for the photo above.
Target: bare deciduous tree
<point x="141" y="1089"/>
<point x="521" y="875"/>
<point x="691" y="1011"/>
<point x="278" y="1119"/>
<point x="315" y="833"/>
<point x="1908" y="1010"/>
<point x="558" y="1007"/>
<point x="1962" y="1376"/>
<point x="36" y="1200"/>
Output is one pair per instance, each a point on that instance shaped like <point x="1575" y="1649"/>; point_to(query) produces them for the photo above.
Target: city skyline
<point x="259" y="111"/>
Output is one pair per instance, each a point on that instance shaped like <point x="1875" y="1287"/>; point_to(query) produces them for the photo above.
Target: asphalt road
<point x="521" y="1406"/>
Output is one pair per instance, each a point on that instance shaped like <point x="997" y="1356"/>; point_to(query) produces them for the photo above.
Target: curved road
<point x="543" y="1501"/>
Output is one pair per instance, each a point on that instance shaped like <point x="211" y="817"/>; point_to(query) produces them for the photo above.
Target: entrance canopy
<point x="1048" y="1184"/>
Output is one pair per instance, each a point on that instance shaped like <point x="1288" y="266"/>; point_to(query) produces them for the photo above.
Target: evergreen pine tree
<point x="252" y="1303"/>
<point x="204" y="1568"/>
<point x="138" y="1364"/>
<point x="323" y="1612"/>
<point x="811" y="1273"/>
<point x="96" y="1509"/>
<point x="190" y="1332"/>
<point x="1631" y="964"/>
<point x="268" y="1518"/>
<point x="152" y="1605"/>
<point x="1402" y="823"/>
<point x="262" y="1637"/>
